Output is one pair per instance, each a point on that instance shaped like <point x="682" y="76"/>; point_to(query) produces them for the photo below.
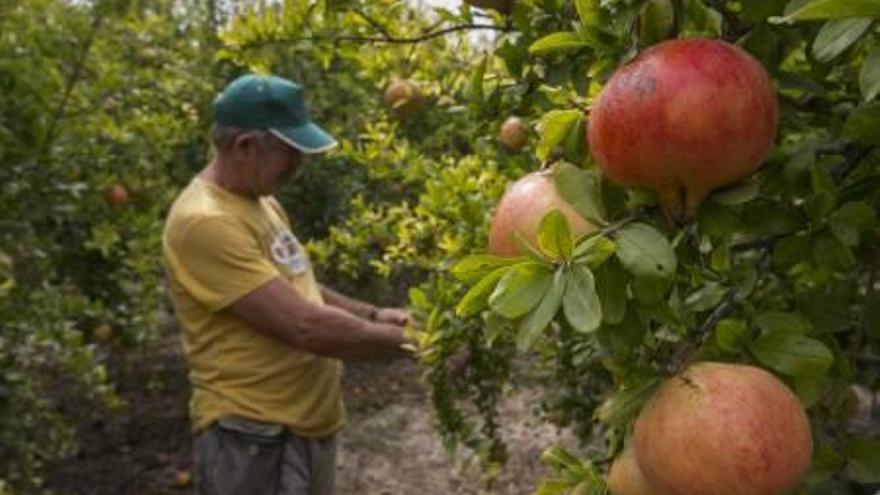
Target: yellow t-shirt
<point x="219" y="247"/>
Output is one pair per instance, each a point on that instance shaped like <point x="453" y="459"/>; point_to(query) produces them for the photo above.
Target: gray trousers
<point x="236" y="456"/>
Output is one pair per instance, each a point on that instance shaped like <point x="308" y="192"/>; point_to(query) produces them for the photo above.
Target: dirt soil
<point x="389" y="447"/>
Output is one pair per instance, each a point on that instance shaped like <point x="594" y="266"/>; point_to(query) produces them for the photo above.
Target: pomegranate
<point x="684" y="118"/>
<point x="404" y="98"/>
<point x="514" y="134"/>
<point x="115" y="195"/>
<point x="522" y="208"/>
<point x="723" y="429"/>
<point x="625" y="476"/>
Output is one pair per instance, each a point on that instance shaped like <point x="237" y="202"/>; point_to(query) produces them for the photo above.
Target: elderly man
<point x="263" y="339"/>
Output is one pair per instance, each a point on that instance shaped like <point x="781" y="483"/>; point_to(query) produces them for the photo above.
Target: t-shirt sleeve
<point x="218" y="261"/>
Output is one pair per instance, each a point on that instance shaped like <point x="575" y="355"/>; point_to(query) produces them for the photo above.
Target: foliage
<point x="110" y="93"/>
<point x="779" y="271"/>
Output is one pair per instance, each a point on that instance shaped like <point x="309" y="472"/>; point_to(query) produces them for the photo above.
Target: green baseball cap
<point x="274" y="104"/>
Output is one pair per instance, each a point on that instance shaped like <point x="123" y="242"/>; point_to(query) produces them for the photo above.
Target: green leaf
<point x="706" y="297"/>
<point x="783" y="322"/>
<point x="809" y="389"/>
<point x="575" y="142"/>
<point x="869" y="75"/>
<point x="701" y="20"/>
<point x="535" y="323"/>
<point x="581" y="188"/>
<point x="863" y="464"/>
<point x="589" y="12"/>
<point x="553" y="487"/>
<point x="554" y="236"/>
<point x="594" y="251"/>
<point x="476" y="298"/>
<point x="520" y="289"/>
<point x="476" y="87"/>
<point x="651" y="290"/>
<point x="611" y="289"/>
<point x="838" y="35"/>
<point x="645" y="252"/>
<point x="526" y="247"/>
<point x="831" y="9"/>
<point x="581" y="304"/>
<point x="553" y="128"/>
<point x="731" y="335"/>
<point x="791" y="251"/>
<point x="718" y="220"/>
<point x="472" y="268"/>
<point x="863" y="124"/>
<point x="656" y="21"/>
<point x="851" y="220"/>
<point x="625" y="404"/>
<point x="737" y="195"/>
<point x="771" y="217"/>
<point x="829" y="252"/>
<point x="562" y="41"/>
<point x="792" y="354"/>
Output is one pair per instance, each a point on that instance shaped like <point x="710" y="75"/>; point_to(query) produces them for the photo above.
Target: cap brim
<point x="308" y="138"/>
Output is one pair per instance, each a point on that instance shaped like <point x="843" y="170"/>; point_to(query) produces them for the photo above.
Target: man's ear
<point x="245" y="143"/>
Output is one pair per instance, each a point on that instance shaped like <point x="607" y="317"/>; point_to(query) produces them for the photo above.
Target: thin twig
<point x="372" y="39"/>
<point x="638" y="214"/>
<point x="71" y="83"/>
<point x="373" y="22"/>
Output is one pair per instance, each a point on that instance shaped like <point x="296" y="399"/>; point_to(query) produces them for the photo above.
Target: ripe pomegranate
<point x="514" y="134"/>
<point x="404" y="98"/>
<point x="625" y="476"/>
<point x="502" y="6"/>
<point x="723" y="429"/>
<point x="682" y="119"/>
<point x="522" y="208"/>
<point x="115" y="195"/>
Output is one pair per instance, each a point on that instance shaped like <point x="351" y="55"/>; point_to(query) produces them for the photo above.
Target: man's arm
<point x="358" y="308"/>
<point x="395" y="316"/>
<point x="277" y="310"/>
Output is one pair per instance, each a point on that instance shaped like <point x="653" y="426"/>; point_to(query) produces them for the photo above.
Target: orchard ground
<point x="390" y="446"/>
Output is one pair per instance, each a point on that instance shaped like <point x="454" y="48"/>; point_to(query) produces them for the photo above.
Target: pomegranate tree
<point x="682" y="119"/>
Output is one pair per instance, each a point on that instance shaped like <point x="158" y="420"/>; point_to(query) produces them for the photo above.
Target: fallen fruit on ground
<point x="521" y="210"/>
<point x="684" y="118"/>
<point x="723" y="429"/>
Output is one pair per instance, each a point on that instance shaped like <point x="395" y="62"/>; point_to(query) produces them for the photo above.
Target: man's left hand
<point x="394" y="316"/>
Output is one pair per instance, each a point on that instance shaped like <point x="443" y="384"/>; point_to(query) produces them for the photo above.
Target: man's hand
<point x="393" y="316"/>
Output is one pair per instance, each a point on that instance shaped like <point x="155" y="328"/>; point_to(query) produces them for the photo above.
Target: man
<point x="262" y="338"/>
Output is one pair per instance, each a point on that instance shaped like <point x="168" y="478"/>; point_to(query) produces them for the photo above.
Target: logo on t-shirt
<point x="287" y="251"/>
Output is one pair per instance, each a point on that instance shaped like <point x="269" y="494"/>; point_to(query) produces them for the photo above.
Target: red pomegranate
<point x="682" y="119"/>
<point x="522" y="208"/>
<point x="723" y="429"/>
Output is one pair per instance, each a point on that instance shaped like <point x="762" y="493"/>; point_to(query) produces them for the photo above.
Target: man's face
<point x="267" y="163"/>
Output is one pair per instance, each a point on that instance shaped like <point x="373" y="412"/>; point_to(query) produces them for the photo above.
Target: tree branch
<point x="71" y="83"/>
<point x="854" y="155"/>
<point x="638" y="214"/>
<point x="373" y="39"/>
